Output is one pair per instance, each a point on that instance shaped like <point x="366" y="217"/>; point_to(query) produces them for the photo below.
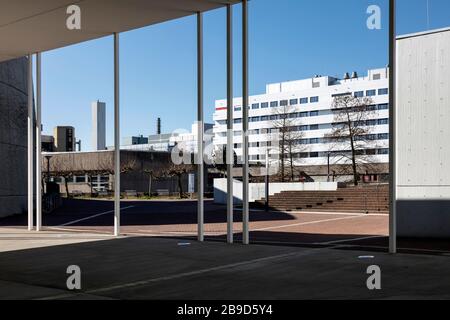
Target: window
<point x="304" y="114"/>
<point x="383" y="151"/>
<point x="314" y="99"/>
<point x="314" y="141"/>
<point x="303" y="100"/>
<point x="383" y="91"/>
<point x="255" y="106"/>
<point x="314" y="113"/>
<point x="221" y="122"/>
<point x="383" y="106"/>
<point x="303" y="128"/>
<point x="304" y="155"/>
<point x="314" y="155"/>
<point x="376" y="76"/>
<point x="293" y="102"/>
<point x="264" y="105"/>
<point x="237" y="108"/>
<point x="372" y="108"/>
<point x="371" y="123"/>
<point x="371" y="93"/>
<point x="283" y="103"/>
<point x="359" y="94"/>
<point x="264" y="118"/>
<point x="237" y="133"/>
<point x="255" y="131"/>
<point x="303" y="141"/>
<point x="254" y="119"/>
<point x="383" y="122"/>
<point x="314" y="127"/>
<point x="237" y="121"/>
<point x="274" y="104"/>
<point x="274" y="117"/>
<point x="80" y="179"/>
<point x="237" y="145"/>
<point x="293" y="115"/>
<point x="383" y="136"/>
<point x="371" y="152"/>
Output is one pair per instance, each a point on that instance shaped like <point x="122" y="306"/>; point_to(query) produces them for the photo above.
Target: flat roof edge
<point x="422" y="33"/>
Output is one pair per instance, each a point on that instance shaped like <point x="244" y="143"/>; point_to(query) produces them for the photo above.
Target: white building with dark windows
<point x="309" y="102"/>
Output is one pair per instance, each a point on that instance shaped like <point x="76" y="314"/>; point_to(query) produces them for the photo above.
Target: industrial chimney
<point x="354" y="75"/>
<point x="158" y="126"/>
<point x="346" y="76"/>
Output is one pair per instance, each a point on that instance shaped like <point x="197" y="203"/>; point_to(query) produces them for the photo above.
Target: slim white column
<point x="245" y="169"/>
<point x="200" y="129"/>
<point x="230" y="107"/>
<point x="116" y="138"/>
<point x="30" y="145"/>
<point x="392" y="129"/>
<point x="38" y="144"/>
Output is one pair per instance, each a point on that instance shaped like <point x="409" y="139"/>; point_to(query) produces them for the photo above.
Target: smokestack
<point x="158" y="126"/>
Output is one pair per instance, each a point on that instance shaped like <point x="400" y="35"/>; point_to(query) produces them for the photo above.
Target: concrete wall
<point x="13" y="137"/>
<point x="257" y="190"/>
<point x="423" y="131"/>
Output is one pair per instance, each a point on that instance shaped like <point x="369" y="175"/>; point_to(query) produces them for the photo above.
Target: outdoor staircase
<point x="364" y="199"/>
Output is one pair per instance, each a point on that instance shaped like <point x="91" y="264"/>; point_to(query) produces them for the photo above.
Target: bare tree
<point x="179" y="171"/>
<point x="284" y="120"/>
<point x="354" y="119"/>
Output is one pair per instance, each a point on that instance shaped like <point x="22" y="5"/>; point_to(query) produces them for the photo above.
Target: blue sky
<point x="289" y="39"/>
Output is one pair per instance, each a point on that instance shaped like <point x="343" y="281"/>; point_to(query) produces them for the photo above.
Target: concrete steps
<point x="365" y="199"/>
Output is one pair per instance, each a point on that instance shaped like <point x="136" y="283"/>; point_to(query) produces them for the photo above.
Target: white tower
<point x="98" y="125"/>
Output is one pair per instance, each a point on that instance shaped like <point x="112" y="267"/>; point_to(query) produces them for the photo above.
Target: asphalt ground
<point x="294" y="255"/>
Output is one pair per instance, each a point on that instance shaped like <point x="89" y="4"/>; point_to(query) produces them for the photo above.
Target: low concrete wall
<point x="257" y="190"/>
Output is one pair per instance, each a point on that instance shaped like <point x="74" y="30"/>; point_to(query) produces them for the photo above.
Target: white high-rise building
<point x="98" y="125"/>
<point x="309" y="102"/>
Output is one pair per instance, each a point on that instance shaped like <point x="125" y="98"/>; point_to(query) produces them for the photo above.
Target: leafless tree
<point x="284" y="120"/>
<point x="178" y="171"/>
<point x="353" y="123"/>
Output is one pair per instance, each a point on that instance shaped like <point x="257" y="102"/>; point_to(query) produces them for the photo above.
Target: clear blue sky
<point x="289" y="39"/>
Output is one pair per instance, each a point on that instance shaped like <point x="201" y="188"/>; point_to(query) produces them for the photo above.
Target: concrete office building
<point x="64" y="138"/>
<point x="423" y="134"/>
<point x="98" y="125"/>
<point x="165" y="142"/>
<point x="134" y="140"/>
<point x="309" y="103"/>
<point x="13" y="137"/>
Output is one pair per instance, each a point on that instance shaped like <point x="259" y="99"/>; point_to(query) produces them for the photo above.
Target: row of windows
<point x="367" y="123"/>
<point x="312" y="127"/>
<point x="370" y="137"/>
<point x="294" y="115"/>
<point x="368" y="152"/>
<point x="294" y="102"/>
<point x="371" y="93"/>
<point x="306" y="155"/>
<point x="281" y="103"/>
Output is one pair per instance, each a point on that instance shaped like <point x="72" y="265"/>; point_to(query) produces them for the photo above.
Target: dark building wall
<point x="13" y="137"/>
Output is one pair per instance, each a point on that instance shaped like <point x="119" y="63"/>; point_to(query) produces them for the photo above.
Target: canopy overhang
<point x="30" y="26"/>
